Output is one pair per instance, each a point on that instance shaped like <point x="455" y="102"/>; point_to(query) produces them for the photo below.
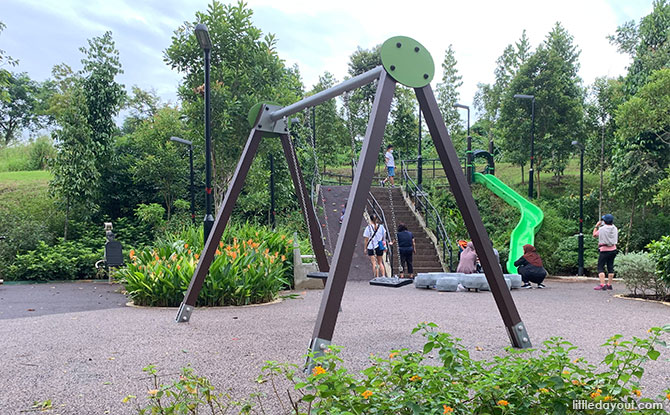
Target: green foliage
<point x="638" y="271"/>
<point x="566" y="256"/>
<point x="547" y="380"/>
<point x="20" y="109"/>
<point x="190" y="394"/>
<point x="245" y="70"/>
<point x="64" y="261"/>
<point x="447" y="91"/>
<point x="331" y="133"/>
<point x="162" y="165"/>
<point x="660" y="253"/>
<point x="252" y="264"/>
<point x="152" y="214"/>
<point x="403" y="131"/>
<point x="554" y="229"/>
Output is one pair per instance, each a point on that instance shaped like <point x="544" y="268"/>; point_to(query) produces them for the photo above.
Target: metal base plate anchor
<point x="184" y="313"/>
<point x="519" y="336"/>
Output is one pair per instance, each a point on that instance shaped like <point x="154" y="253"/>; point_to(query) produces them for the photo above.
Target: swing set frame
<point x="403" y="60"/>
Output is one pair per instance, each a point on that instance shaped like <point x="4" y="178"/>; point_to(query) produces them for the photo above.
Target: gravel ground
<point x="87" y="361"/>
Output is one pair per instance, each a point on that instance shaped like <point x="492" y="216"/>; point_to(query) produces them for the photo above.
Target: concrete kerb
<point x="276" y="301"/>
<point x="646" y="300"/>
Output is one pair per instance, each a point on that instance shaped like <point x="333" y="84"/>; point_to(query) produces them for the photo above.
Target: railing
<point x="429" y="213"/>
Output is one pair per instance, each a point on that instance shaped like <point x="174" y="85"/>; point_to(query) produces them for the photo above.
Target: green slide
<point x="531" y="217"/>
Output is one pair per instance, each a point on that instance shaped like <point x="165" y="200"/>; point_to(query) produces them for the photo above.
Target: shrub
<point x="64" y="261"/>
<point x="660" y="252"/>
<point x="151" y="214"/>
<point x="553" y="230"/>
<point x="251" y="266"/>
<point x="41" y="151"/>
<point x="544" y="381"/>
<point x="638" y="271"/>
<point x="567" y="255"/>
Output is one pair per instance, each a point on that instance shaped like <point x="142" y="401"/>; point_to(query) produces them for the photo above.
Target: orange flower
<point x="153" y="392"/>
<point x="319" y="370"/>
<point x="414" y="378"/>
<point x="132" y="253"/>
<point x="503" y="402"/>
<point x="185" y="246"/>
<point x="283" y="237"/>
<point x="668" y="396"/>
<point x="220" y="244"/>
<point x="290" y="241"/>
<point x="178" y="266"/>
<point x="607" y="398"/>
<point x="233" y="255"/>
<point x="637" y="392"/>
<point x="283" y="258"/>
<point x="543" y="390"/>
<point x="576" y="382"/>
<point x="189" y="252"/>
<point x="196" y="256"/>
<point x="218" y="252"/>
<point x="272" y="260"/>
<point x="367" y="394"/>
<point x="566" y="372"/>
<point x="447" y="409"/>
<point x="391" y="356"/>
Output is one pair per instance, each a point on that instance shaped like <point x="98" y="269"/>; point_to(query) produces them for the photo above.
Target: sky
<point x="318" y="36"/>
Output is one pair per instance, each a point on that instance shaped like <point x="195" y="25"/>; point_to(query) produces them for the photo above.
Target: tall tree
<point x="357" y="104"/>
<point x="104" y="96"/>
<point x="403" y="130"/>
<point x="551" y="76"/>
<point x="447" y="90"/>
<point x="74" y="170"/>
<point x="331" y="134"/>
<point x="245" y="70"/>
<point x="5" y="60"/>
<point x="20" y="110"/>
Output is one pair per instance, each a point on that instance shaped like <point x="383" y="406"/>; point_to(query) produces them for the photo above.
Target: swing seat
<point x="393" y="282"/>
<point x="318" y="274"/>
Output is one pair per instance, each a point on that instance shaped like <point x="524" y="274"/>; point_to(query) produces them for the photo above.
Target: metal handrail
<point x="429" y="213"/>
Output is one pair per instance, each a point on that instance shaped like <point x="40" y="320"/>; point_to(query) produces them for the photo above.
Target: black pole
<point x="272" y="191"/>
<point x="209" y="199"/>
<point x="469" y="168"/>
<point x="419" y="158"/>
<point x="190" y="157"/>
<point x="581" y="211"/>
<point x="532" y="150"/>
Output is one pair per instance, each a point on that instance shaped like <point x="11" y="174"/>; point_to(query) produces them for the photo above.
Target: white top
<point x="390" y="161"/>
<point x="379" y="236"/>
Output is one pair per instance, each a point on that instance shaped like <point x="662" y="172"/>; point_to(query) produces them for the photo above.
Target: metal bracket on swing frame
<point x="267" y="124"/>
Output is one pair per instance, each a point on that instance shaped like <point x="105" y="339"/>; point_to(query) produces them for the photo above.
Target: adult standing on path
<point x="390" y="165"/>
<point x="608" y="236"/>
<point x="530" y="267"/>
<point x="375" y="237"/>
<point x="407" y="249"/>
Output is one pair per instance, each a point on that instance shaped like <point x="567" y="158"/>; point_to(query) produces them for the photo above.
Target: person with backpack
<point x="407" y="249"/>
<point x="608" y="236"/>
<point x="375" y="245"/>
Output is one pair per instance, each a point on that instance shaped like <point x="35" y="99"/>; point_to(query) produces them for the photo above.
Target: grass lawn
<point x="26" y="192"/>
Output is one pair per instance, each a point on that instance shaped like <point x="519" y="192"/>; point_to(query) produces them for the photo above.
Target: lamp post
<point x="580" y="146"/>
<point x="190" y="159"/>
<point x="532" y="141"/>
<point x="468" y="153"/>
<point x="206" y="44"/>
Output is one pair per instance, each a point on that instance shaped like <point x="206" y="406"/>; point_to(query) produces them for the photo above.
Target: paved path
<point x="88" y="361"/>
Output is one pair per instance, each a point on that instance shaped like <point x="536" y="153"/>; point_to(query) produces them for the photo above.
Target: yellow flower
<point x="153" y="392"/>
<point x="566" y="372"/>
<point x="607" y="398"/>
<point x="319" y="370"/>
<point x="503" y="402"/>
<point x="637" y="392"/>
<point x="576" y="382"/>
<point x="447" y="409"/>
<point x="576" y="360"/>
<point x="414" y="378"/>
<point x="367" y="394"/>
<point x="190" y="389"/>
<point x="544" y="390"/>
<point x="392" y="355"/>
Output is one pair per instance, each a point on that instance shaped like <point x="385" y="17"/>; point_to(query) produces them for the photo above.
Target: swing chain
<point x="300" y="189"/>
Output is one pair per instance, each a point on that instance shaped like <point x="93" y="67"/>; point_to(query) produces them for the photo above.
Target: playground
<point x="87" y="361"/>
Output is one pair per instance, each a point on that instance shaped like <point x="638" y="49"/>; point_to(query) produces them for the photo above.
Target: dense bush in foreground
<point x="545" y="381"/>
<point x="252" y="264"/>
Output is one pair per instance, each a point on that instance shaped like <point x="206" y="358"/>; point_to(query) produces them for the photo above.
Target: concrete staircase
<point x="425" y="259"/>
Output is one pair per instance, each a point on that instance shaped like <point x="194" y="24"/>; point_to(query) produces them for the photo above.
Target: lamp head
<point x="181" y="140"/>
<point x="578" y="145"/>
<point x="202" y="34"/>
<point x="465" y="107"/>
<point x="523" y="96"/>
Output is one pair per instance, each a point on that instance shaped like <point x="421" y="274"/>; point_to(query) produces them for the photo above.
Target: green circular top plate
<point x="407" y="61"/>
<point x="253" y="114"/>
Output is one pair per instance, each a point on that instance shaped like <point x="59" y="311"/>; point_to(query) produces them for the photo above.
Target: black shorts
<point x="376" y="251"/>
<point x="606" y="259"/>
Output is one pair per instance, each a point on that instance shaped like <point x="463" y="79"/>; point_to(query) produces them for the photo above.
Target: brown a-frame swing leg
<point x="473" y="221"/>
<point x="349" y="233"/>
<point x="220" y="223"/>
<point x="306" y="202"/>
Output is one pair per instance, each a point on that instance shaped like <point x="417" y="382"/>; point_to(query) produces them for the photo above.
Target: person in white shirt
<point x="375" y="245"/>
<point x="390" y="165"/>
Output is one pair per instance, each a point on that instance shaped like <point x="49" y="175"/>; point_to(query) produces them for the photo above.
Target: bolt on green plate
<point x="407" y="61"/>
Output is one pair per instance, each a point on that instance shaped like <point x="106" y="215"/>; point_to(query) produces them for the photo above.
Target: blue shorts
<point x="391" y="171"/>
